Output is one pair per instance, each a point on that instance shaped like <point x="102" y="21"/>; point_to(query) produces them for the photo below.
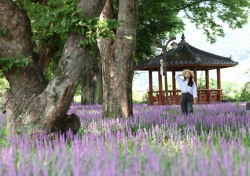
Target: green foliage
<point x="52" y="21"/>
<point x="3" y="85"/>
<point x="78" y="91"/>
<point x="63" y="17"/>
<point x="244" y="95"/>
<point x="2" y="31"/>
<point x="228" y="98"/>
<point x="8" y="62"/>
<point x="96" y="28"/>
<point x="202" y="83"/>
<point x="209" y="15"/>
<point x="140" y="97"/>
<point x="4" y="138"/>
<point x="159" y="19"/>
<point x="230" y="88"/>
<point x="156" y="20"/>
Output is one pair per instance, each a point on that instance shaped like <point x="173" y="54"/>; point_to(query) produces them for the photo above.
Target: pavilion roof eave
<point x="146" y="68"/>
<point x="180" y="67"/>
<point x="203" y="65"/>
<point x="186" y="55"/>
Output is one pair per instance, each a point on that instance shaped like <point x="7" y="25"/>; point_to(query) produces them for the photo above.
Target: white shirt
<point x="185" y="88"/>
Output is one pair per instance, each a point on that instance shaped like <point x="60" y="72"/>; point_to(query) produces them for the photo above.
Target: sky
<point x="236" y="44"/>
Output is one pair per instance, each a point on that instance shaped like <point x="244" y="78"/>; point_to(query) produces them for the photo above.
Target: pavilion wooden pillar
<point x="207" y="78"/>
<point x="218" y="78"/>
<point x="219" y="84"/>
<point x="207" y="85"/>
<point x="160" y="80"/>
<point x="195" y="80"/>
<point x="195" y="75"/>
<point x="161" y="102"/>
<point x="150" y="83"/>
<point x="173" y="82"/>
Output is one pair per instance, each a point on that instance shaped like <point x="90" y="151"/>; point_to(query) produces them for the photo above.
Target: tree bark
<point x="117" y="60"/>
<point x="44" y="54"/>
<point x="32" y="105"/>
<point x="90" y="80"/>
<point x="99" y="84"/>
<point x="16" y="42"/>
<point x="88" y="84"/>
<point x="88" y="89"/>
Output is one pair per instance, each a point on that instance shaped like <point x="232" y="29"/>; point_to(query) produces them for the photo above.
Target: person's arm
<point x="178" y="79"/>
<point x="195" y="93"/>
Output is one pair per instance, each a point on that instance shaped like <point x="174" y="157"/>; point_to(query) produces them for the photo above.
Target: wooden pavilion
<point x="179" y="58"/>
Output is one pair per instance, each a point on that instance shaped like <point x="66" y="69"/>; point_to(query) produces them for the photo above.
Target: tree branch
<point x="193" y="4"/>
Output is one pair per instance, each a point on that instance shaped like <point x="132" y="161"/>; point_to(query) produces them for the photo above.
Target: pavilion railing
<point x="204" y="96"/>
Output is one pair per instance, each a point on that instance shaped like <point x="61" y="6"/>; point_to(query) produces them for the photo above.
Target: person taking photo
<point x="188" y="91"/>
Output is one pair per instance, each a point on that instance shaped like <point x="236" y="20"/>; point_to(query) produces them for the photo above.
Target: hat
<point x="187" y="70"/>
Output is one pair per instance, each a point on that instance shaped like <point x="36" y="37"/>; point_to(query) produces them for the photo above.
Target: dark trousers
<point x="187" y="102"/>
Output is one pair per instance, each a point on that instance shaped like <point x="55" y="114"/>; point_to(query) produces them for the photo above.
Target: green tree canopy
<point x="157" y="19"/>
<point x="160" y="19"/>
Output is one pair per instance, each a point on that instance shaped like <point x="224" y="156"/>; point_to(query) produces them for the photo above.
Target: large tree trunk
<point x="88" y="84"/>
<point x="89" y="80"/>
<point x="99" y="83"/>
<point x="88" y="88"/>
<point x="117" y="60"/>
<point x="46" y="52"/>
<point x="31" y="105"/>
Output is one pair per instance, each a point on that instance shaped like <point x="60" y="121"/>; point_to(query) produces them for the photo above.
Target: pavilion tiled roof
<point x="186" y="54"/>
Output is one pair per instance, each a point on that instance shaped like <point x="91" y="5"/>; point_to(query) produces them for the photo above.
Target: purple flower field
<point x="158" y="140"/>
